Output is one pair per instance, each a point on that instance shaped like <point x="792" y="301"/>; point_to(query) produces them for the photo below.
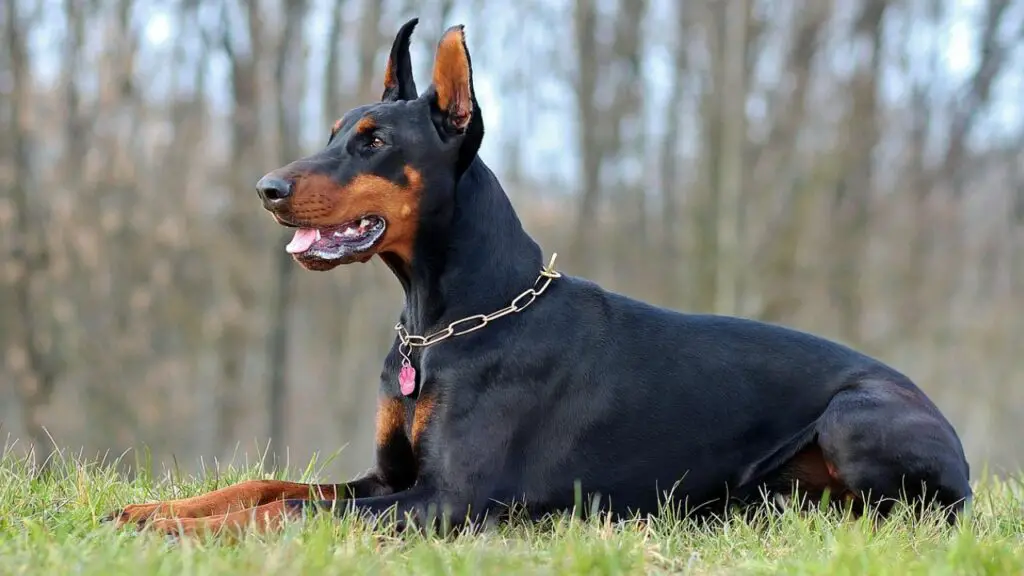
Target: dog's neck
<point x="474" y="263"/>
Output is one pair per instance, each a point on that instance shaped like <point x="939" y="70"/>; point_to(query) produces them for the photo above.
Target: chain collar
<point x="478" y="321"/>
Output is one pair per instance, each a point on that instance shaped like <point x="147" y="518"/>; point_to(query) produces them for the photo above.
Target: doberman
<point x="510" y="383"/>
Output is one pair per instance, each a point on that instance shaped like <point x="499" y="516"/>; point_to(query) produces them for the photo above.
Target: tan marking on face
<point x="365" y="125"/>
<point x="319" y="202"/>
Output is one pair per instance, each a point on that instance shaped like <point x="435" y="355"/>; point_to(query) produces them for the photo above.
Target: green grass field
<point x="50" y="524"/>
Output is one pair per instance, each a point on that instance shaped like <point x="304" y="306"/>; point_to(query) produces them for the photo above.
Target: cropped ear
<point x="453" y="81"/>
<point x="398" y="81"/>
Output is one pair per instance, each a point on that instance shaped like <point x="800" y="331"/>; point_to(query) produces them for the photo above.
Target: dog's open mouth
<point x="337" y="241"/>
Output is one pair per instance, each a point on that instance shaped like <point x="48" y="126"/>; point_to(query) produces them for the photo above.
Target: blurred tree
<point x="29" y="343"/>
<point x="855" y="180"/>
<point x="289" y="80"/>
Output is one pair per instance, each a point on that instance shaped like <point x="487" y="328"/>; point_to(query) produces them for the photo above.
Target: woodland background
<point x="854" y="169"/>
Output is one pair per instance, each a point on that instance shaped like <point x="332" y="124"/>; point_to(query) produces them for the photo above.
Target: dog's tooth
<point x="317" y="236"/>
<point x="364" y="223"/>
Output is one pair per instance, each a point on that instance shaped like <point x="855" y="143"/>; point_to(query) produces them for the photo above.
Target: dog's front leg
<point x="395" y="471"/>
<point x="421" y="505"/>
<point x="246" y="495"/>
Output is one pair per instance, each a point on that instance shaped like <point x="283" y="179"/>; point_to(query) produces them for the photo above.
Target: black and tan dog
<point x="510" y="383"/>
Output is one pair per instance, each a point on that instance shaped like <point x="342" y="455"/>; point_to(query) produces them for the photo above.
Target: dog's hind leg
<point x="885" y="441"/>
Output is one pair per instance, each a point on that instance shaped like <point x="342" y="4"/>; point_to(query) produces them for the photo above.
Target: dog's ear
<point x="453" y="82"/>
<point x="398" y="81"/>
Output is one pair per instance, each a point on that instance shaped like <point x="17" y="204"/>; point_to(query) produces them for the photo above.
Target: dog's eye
<point x="377" y="142"/>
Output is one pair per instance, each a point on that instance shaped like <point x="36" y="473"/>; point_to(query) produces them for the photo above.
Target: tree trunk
<point x="370" y="82"/>
<point x="668" y="161"/>
<point x="853" y="191"/>
<point x="705" y="209"/>
<point x="731" y="162"/>
<point x="290" y="88"/>
<point x="590" y="153"/>
<point x="332" y="82"/>
<point x="29" y="355"/>
<point x="786" y="210"/>
<point x="239" y="300"/>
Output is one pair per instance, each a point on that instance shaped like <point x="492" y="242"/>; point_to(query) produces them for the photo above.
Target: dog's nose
<point x="273" y="189"/>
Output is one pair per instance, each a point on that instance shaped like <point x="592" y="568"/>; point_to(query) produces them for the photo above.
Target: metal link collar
<point x="478" y="321"/>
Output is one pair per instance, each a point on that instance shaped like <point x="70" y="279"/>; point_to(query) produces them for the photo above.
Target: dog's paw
<point x="172" y="528"/>
<point x="137" y="514"/>
<point x="176" y="530"/>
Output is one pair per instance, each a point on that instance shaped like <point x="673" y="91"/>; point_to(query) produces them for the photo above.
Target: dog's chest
<point x="424" y="406"/>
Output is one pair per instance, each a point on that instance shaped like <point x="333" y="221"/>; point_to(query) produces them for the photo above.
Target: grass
<point x="49" y="524"/>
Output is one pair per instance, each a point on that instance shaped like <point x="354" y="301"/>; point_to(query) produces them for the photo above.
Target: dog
<point x="509" y="383"/>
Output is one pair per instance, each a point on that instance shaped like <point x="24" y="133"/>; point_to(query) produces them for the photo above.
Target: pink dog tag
<point x="407" y="378"/>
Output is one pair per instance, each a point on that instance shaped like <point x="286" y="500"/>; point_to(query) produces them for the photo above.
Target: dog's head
<point x="387" y="166"/>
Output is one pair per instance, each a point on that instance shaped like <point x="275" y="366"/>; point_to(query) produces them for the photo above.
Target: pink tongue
<point x="303" y="239"/>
